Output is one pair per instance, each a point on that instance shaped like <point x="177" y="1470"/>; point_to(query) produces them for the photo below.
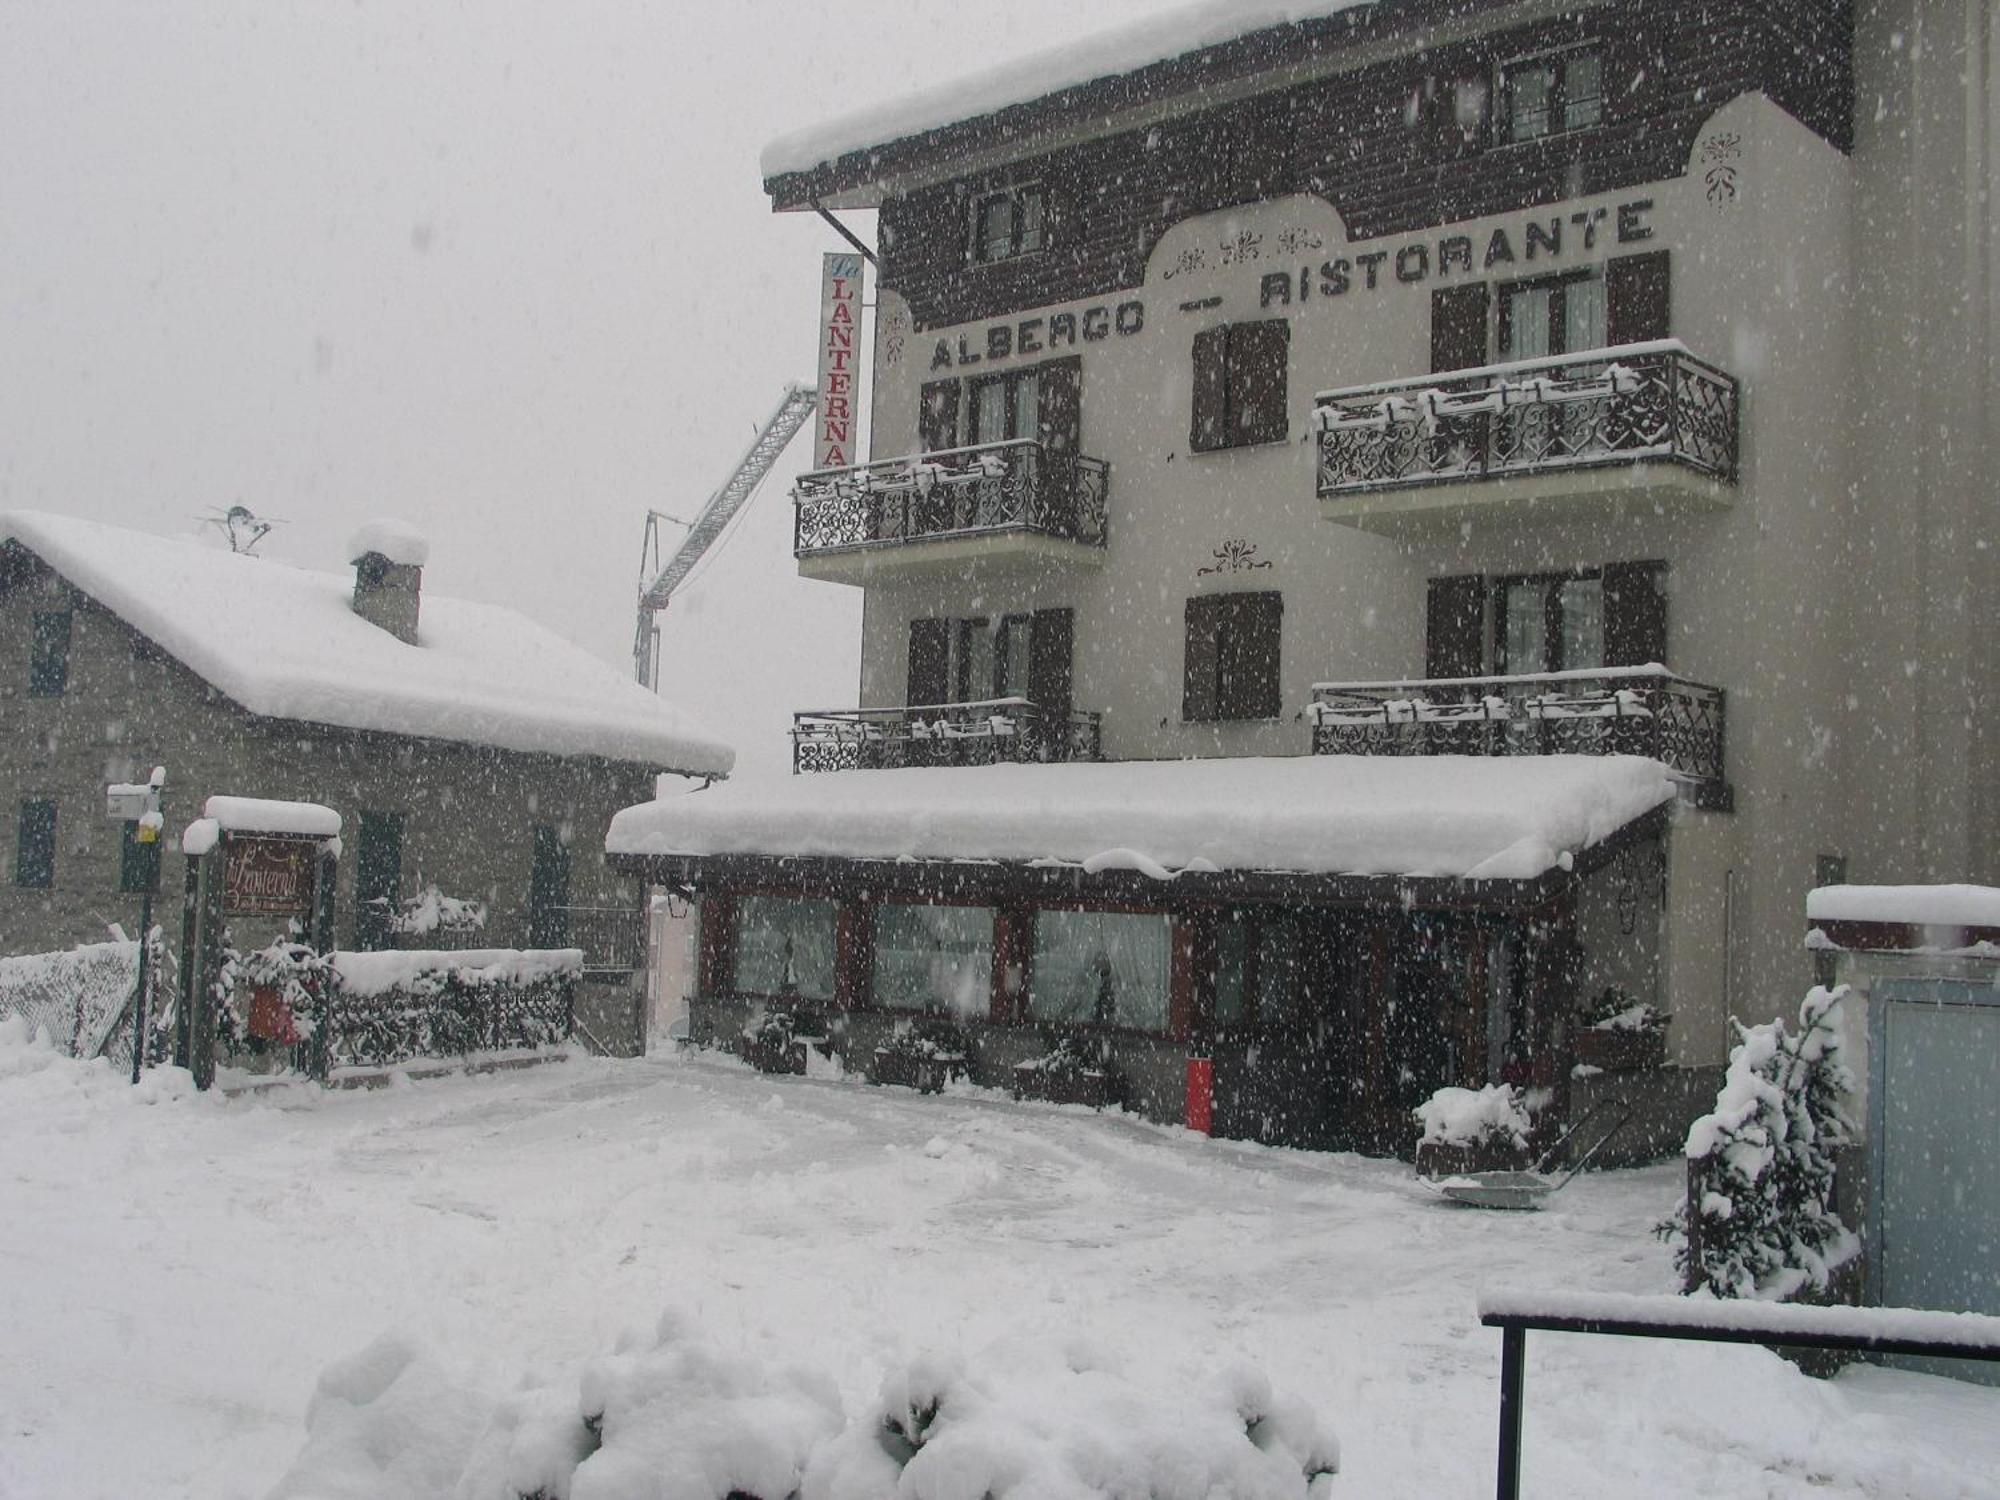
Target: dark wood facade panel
<point x="1668" y="65"/>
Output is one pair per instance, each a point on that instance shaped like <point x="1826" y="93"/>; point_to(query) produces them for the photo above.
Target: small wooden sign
<point x="268" y="876"/>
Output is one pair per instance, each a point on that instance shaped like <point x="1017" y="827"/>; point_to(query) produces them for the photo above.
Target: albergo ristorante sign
<point x="1036" y="335"/>
<point x="268" y="876"/>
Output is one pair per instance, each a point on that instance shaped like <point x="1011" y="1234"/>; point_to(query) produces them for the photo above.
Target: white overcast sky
<point x="503" y="269"/>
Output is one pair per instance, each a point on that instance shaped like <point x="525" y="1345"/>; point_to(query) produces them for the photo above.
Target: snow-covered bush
<point x="1614" y="1009"/>
<point x="1496" y="1115"/>
<point x="432" y="911"/>
<point x="1758" y="1219"/>
<point x="1035" y="1422"/>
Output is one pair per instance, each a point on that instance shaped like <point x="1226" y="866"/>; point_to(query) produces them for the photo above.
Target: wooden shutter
<point x="1455" y="627"/>
<point x="548" y="889"/>
<point x="1059" y="429"/>
<point x="1211" y="389"/>
<point x="378" y="878"/>
<point x="1198" y="701"/>
<point x="1458" y="326"/>
<point x="1635" y="615"/>
<point x="937" y="416"/>
<point x="1259" y="369"/>
<point x="1250" y="657"/>
<point x="930" y="662"/>
<point x="1051" y="645"/>
<point x="1638" y="298"/>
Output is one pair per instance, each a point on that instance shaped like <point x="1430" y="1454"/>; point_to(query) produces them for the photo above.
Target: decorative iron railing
<point x="949" y="734"/>
<point x="992" y="487"/>
<point x="1612" y="711"/>
<point x="1609" y="406"/>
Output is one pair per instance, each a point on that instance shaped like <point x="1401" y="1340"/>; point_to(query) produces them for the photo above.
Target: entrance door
<point x="1297" y="969"/>
<point x="1424" y="1023"/>
<point x="1935" y="1098"/>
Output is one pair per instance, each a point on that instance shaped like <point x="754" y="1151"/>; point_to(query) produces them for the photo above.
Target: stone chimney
<point x="389" y="559"/>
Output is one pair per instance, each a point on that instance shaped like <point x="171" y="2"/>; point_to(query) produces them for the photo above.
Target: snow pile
<point x="1471" y="1117"/>
<point x="1124" y="49"/>
<point x="431" y="910"/>
<point x="368" y="974"/>
<point x="1477" y="817"/>
<point x="397" y="541"/>
<point x="1916" y="905"/>
<point x="1030" y="1421"/>
<point x="285" y="643"/>
<point x="38" y="1073"/>
<point x="668" y="1416"/>
<point x="1758" y="1219"/>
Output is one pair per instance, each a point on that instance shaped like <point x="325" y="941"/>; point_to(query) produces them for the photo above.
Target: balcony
<point x="1007" y="503"/>
<point x="1646" y="424"/>
<point x="947" y="734"/>
<point x="1610" y="711"/>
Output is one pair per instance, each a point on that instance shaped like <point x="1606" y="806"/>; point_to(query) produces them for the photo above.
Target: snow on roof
<point x="1914" y="905"/>
<point x="398" y="541"/>
<point x="266" y="815"/>
<point x="1124" y="49"/>
<point x="285" y="643"/>
<point x="1451" y="816"/>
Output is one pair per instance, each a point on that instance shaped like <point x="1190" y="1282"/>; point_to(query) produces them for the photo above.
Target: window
<point x="1627" y="300"/>
<point x="1542" y="96"/>
<point x="1240" y="373"/>
<point x="548" y="885"/>
<point x="1005" y="656"/>
<point x="1004" y="407"/>
<point x="1258" y="963"/>
<point x="785" y="946"/>
<point x="378" y="881"/>
<point x="1613" y="616"/>
<point x="1551" y="624"/>
<point x="1552" y="315"/>
<point x="937" y="958"/>
<point x="35" y="844"/>
<point x="1232" y="657"/>
<point x="48" y="661"/>
<point x="1107" y="967"/>
<point x="1007" y="224"/>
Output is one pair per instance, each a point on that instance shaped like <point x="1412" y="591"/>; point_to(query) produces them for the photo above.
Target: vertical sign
<point x="839" y="362"/>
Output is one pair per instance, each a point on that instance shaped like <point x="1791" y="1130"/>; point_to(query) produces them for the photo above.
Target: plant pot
<point x="773" y="1057"/>
<point x="1621" y="1051"/>
<point x="927" y="1075"/>
<point x="1456" y="1159"/>
<point x="1096" y="1090"/>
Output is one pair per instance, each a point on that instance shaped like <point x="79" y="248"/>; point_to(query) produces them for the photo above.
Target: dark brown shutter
<point x="1250" y="688"/>
<point x="1211" y="389"/>
<point x="930" y="661"/>
<point x="937" y="417"/>
<point x="1198" y="693"/>
<point x="1637" y="297"/>
<point x="1458" y="327"/>
<point x="1635" y="615"/>
<point x="1050" y="648"/>
<point x="1455" y="627"/>
<point x="1259" y="366"/>
<point x="1059" y="427"/>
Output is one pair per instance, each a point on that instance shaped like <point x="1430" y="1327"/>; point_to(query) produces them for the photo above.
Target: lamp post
<point x="139" y="803"/>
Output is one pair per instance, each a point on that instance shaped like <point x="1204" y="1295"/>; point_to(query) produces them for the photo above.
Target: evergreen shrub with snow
<point x="1758" y="1219"/>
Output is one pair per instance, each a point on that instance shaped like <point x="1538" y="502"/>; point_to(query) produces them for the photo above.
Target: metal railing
<point x="945" y="734"/>
<point x="1573" y="411"/>
<point x="1608" y="711"/>
<point x="992" y="487"/>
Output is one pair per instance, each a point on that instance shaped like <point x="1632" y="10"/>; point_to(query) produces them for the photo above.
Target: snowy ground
<point x="174" y="1274"/>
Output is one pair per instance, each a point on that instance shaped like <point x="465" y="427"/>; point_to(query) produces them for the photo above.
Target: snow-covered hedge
<point x="668" y="1416"/>
<point x="1495" y="1115"/>
<point x="392" y="1007"/>
<point x="1758" y="1219"/>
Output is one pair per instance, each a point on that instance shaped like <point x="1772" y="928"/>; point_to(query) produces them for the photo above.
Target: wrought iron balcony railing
<point x="946" y="734"/>
<point x="1019" y="486"/>
<point x="1610" y="711"/>
<point x="1626" y="405"/>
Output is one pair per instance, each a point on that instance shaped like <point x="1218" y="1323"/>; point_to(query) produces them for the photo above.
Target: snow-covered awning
<point x="285" y="643"/>
<point x="1455" y="817"/>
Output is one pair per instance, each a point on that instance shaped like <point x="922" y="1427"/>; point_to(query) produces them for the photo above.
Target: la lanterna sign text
<point x="268" y="876"/>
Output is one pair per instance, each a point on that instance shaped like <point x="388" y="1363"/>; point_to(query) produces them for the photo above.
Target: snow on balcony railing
<point x="1643" y="710"/>
<point x="1021" y="485"/>
<point x="1604" y="406"/>
<point x="941" y="734"/>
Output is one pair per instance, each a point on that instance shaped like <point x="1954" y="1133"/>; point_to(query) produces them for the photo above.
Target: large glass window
<point x="1107" y="967"/>
<point x="1552" y="315"/>
<point x="936" y="958"/>
<point x="1257" y="968"/>
<point x="785" y="946"/>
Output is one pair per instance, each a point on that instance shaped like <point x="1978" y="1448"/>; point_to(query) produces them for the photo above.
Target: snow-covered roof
<point x="285" y="643"/>
<point x="1172" y="33"/>
<point x="1450" y="816"/>
<point x="1912" y="905"/>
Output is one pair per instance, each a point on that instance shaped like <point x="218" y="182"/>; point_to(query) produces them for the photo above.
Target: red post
<point x="1201" y="1095"/>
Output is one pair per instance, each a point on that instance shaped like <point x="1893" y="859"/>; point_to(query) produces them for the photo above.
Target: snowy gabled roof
<point x="1124" y="49"/>
<point x="1469" y="817"/>
<point x="285" y="643"/>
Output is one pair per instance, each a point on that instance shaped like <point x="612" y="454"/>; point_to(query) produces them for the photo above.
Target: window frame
<point x="38" y="846"/>
<point x="1557" y="60"/>
<point x="1016" y="197"/>
<point x="52" y="634"/>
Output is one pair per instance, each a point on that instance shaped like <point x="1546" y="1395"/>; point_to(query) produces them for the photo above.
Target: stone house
<point x="472" y="754"/>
